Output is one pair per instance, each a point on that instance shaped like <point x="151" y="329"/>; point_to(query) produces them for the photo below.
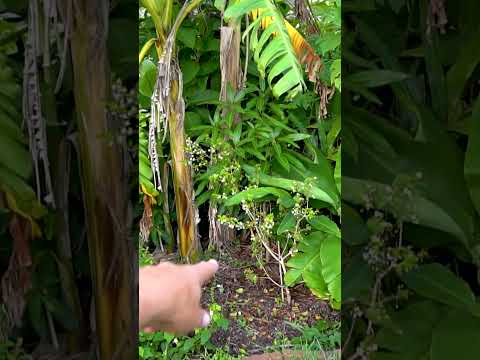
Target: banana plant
<point x="279" y="50"/>
<point x="167" y="116"/>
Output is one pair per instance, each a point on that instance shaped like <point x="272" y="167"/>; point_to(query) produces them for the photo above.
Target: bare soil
<point x="256" y="311"/>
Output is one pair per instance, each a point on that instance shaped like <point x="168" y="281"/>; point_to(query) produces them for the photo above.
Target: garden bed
<point x="258" y="318"/>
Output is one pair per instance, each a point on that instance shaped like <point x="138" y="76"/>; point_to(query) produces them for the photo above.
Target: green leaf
<point x="189" y="70"/>
<point x="457" y="336"/>
<point x="354" y="229"/>
<point x="330" y="255"/>
<point x="255" y="194"/>
<point x="413" y="334"/>
<point x="323" y="193"/>
<point x="436" y="282"/>
<point x="357" y="279"/>
<point x="36" y="314"/>
<point x="293" y="276"/>
<point x="426" y="212"/>
<point x="62" y="313"/>
<point x="323" y="223"/>
<point x="472" y="157"/>
<point x="203" y="198"/>
<point x="318" y="262"/>
<point x="148" y="78"/>
<point x="187" y="36"/>
<point x="294" y="137"/>
<point x="462" y="69"/>
<point x="288" y="223"/>
<point x="25" y="197"/>
<point x="374" y="78"/>
<point x="15" y="157"/>
<point x="280" y="158"/>
<point x="219" y="4"/>
<point x="330" y="41"/>
<point x="307" y="258"/>
<point x="255" y="153"/>
<point x="337" y="174"/>
<point x="206" y="335"/>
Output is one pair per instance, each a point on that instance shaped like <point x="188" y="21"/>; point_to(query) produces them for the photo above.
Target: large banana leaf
<point x="272" y="48"/>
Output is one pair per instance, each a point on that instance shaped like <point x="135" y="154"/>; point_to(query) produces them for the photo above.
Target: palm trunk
<point x="104" y="186"/>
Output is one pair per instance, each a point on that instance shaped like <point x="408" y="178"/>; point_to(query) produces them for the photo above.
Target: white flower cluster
<point x="220" y="152"/>
<point x="301" y="210"/>
<point x="232" y="222"/>
<point x="226" y="181"/>
<point x="197" y="157"/>
<point x="267" y="224"/>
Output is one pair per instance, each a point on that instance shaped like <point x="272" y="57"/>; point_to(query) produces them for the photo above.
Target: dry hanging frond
<point x="437" y="16"/>
<point x="160" y="110"/>
<point x="303" y="13"/>
<point x="325" y="93"/>
<point x="146" y="220"/>
<point x="32" y="107"/>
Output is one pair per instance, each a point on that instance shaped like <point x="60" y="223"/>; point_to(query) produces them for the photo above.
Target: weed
<point x="144" y="256"/>
<point x="250" y="276"/>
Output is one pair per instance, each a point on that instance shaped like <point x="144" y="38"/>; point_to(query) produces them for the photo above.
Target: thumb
<point x="198" y="319"/>
<point x="205" y="318"/>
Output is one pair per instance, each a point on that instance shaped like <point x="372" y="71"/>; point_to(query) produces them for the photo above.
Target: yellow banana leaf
<point x="305" y="53"/>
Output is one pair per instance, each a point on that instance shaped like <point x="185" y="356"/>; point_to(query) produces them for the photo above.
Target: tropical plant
<point x="248" y="112"/>
<point x="280" y="58"/>
<point x="66" y="146"/>
<point x="411" y="216"/>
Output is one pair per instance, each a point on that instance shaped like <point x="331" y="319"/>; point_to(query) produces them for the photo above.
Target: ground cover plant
<point x="240" y="161"/>
<point x="410" y="182"/>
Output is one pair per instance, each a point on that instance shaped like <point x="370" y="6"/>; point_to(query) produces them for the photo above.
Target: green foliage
<point x="411" y="220"/>
<point x="50" y="265"/>
<point x="320" y="340"/>
<point x="167" y="346"/>
<point x="15" y="159"/>
<point x="144" y="257"/>
<point x="145" y="171"/>
<point x="13" y="351"/>
<point x="318" y="251"/>
<point x="323" y="335"/>
<point x="327" y="42"/>
<point x="260" y="149"/>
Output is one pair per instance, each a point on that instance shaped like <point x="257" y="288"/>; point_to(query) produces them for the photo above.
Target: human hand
<point x="169" y="296"/>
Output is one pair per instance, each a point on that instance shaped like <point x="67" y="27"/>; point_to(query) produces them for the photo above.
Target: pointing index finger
<point x="205" y="270"/>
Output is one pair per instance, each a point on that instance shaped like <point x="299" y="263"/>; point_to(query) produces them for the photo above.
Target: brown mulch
<point x="256" y="312"/>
